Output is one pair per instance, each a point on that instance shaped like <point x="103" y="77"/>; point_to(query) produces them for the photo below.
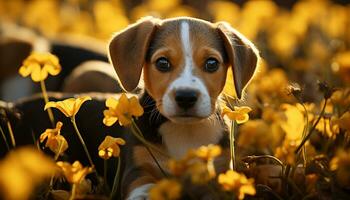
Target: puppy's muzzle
<point x="186" y="99"/>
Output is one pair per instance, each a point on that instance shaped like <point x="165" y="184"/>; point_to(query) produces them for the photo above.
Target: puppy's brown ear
<point x="242" y="54"/>
<point x="127" y="51"/>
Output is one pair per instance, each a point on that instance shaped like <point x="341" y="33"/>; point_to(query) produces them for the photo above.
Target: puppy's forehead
<point x="200" y="33"/>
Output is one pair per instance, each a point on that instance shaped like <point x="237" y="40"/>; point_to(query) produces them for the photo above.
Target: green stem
<point x="36" y="142"/>
<point x="312" y="128"/>
<point x="4" y="138"/>
<point x="304" y="132"/>
<point x="232" y="147"/>
<point x="11" y="133"/>
<point x="74" y="188"/>
<point x="116" y="180"/>
<point x="55" y="158"/>
<point x="59" y="151"/>
<point x="82" y="141"/>
<point x="232" y="138"/>
<point x="46" y="99"/>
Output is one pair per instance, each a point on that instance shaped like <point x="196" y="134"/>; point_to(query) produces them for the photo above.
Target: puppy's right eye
<point x="163" y="64"/>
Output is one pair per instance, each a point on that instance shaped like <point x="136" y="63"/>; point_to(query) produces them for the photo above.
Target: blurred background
<point x="300" y="41"/>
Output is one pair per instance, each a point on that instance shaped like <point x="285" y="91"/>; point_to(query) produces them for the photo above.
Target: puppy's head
<point x="184" y="63"/>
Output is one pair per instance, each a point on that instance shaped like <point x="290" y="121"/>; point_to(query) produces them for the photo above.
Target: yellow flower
<point x="272" y="85"/>
<point x="208" y="152"/>
<point x="328" y="127"/>
<point x="341" y="65"/>
<point x="121" y="110"/>
<point x="238" y="183"/>
<point x="341" y="97"/>
<point x="163" y="6"/>
<point x="166" y="189"/>
<point x="343" y="59"/>
<point x="224" y="11"/>
<point x="240" y="114"/>
<point x="344" y="121"/>
<point x="55" y="141"/>
<point x="110" y="147"/>
<point x="341" y="165"/>
<point x="75" y="172"/>
<point x="23" y="169"/>
<point x="109" y="17"/>
<point x="69" y="107"/>
<point x="39" y="65"/>
<point x="286" y="152"/>
<point x="177" y="167"/>
<point x="199" y="173"/>
<point x="294" y="122"/>
<point x="256" y="133"/>
<point x="342" y="157"/>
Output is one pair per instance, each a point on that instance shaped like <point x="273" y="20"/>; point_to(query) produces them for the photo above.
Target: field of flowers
<point x="289" y="136"/>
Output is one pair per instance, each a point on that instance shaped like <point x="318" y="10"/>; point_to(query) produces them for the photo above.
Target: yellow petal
<point x="67" y="106"/>
<point x="53" y="60"/>
<point x="109" y="121"/>
<point x="110" y="145"/>
<point x="36" y="73"/>
<point x="111" y="102"/>
<point x="62" y="145"/>
<point x="79" y="175"/>
<point x="59" y="126"/>
<point x="242" y="118"/>
<point x="50" y="104"/>
<point x="60" y="106"/>
<point x="124" y="121"/>
<point x="116" y="151"/>
<point x="135" y="107"/>
<point x="107" y="142"/>
<point x="120" y="141"/>
<point x="78" y="102"/>
<point x="51" y="69"/>
<point x="243" y="109"/>
<point x="123" y="104"/>
<point x="43" y="136"/>
<point x="233" y="115"/>
<point x="225" y="111"/>
<point x="25" y="70"/>
<point x="21" y="170"/>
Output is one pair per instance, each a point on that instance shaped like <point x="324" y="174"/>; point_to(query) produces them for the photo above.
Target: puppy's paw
<point x="140" y="193"/>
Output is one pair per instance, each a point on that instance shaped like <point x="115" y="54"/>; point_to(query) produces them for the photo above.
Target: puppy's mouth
<point x="185" y="118"/>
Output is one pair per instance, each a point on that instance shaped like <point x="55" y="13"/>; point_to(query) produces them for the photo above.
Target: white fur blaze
<point x="187" y="80"/>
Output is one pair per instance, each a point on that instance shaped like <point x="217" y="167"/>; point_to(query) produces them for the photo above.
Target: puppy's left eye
<point x="163" y="64"/>
<point x="211" y="65"/>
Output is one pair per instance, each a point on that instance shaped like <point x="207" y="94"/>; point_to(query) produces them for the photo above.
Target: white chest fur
<point x="179" y="138"/>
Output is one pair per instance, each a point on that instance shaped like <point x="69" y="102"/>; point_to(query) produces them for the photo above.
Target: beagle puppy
<point x="184" y="63"/>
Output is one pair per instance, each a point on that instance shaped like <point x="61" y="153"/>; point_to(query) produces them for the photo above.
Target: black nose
<point x="186" y="98"/>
